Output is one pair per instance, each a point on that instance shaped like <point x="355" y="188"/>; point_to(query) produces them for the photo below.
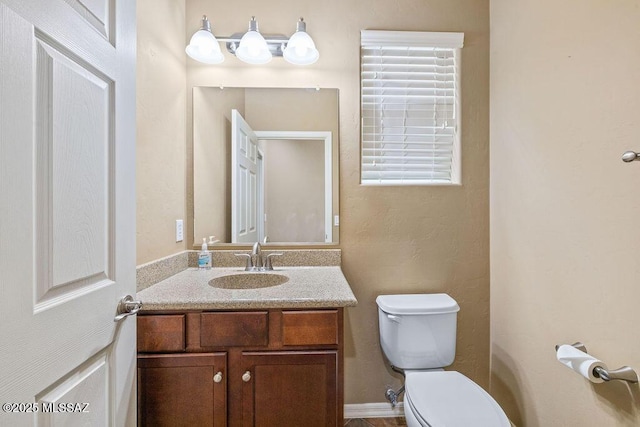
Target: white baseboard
<point x="372" y="410"/>
<point x="376" y="410"/>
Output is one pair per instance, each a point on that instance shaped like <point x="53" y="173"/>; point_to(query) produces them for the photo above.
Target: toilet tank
<point x="418" y="331"/>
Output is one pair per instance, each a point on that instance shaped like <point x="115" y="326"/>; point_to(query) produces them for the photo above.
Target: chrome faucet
<point x="256" y="254"/>
<point x="255" y="261"/>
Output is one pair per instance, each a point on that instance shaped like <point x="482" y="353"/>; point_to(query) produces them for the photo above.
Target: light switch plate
<point x="336" y="220"/>
<point x="179" y="230"/>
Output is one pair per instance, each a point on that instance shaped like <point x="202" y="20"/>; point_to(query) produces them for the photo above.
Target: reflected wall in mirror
<point x="296" y="182"/>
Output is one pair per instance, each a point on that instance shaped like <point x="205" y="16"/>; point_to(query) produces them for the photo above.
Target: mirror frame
<point x="335" y="185"/>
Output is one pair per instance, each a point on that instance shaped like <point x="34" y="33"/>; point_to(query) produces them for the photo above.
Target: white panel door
<point x="67" y="212"/>
<point x="244" y="181"/>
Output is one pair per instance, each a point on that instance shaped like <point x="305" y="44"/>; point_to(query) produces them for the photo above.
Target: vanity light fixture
<point x="252" y="47"/>
<point x="301" y="50"/>
<point x="203" y="46"/>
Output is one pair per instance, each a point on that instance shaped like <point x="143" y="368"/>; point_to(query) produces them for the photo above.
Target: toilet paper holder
<point x="626" y="373"/>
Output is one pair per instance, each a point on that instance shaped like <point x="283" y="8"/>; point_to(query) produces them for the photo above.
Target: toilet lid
<point x="450" y="399"/>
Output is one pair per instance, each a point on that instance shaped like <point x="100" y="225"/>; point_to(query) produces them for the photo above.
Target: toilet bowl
<point x="418" y="337"/>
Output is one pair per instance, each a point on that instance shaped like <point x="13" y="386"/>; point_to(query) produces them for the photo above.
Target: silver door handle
<point x="126" y="307"/>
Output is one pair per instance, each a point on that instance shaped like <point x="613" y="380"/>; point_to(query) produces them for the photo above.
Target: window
<point x="410" y="106"/>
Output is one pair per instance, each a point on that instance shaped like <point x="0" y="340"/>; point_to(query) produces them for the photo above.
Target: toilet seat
<point x="448" y="398"/>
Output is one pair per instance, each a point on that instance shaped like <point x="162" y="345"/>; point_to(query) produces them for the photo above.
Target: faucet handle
<point x="267" y="263"/>
<point x="249" y="265"/>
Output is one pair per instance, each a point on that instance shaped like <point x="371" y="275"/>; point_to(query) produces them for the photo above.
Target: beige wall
<point x="161" y="143"/>
<point x="565" y="104"/>
<point x="294" y="207"/>
<point x="394" y="239"/>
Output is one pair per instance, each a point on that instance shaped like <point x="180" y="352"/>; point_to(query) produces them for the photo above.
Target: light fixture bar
<point x="276" y="44"/>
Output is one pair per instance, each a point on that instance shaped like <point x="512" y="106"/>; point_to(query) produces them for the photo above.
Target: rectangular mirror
<point x="265" y="165"/>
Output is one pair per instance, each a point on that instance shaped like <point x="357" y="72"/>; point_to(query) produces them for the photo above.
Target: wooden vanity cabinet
<point x="181" y="389"/>
<point x="276" y="367"/>
<point x="292" y="388"/>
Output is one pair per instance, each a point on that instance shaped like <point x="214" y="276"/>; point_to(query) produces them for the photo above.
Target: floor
<point x="375" y="422"/>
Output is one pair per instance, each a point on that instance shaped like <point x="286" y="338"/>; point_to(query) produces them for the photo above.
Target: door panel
<point x="74" y="160"/>
<point x="88" y="384"/>
<point x="67" y="210"/>
<point x="97" y="13"/>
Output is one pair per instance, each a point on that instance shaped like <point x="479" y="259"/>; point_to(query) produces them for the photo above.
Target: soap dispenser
<point x="204" y="256"/>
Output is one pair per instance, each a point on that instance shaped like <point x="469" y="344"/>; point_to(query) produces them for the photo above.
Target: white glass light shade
<point x="301" y="50"/>
<point x="204" y="47"/>
<point x="253" y="48"/>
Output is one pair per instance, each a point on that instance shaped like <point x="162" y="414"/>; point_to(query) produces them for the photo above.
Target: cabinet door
<point x="182" y="390"/>
<point x="292" y="388"/>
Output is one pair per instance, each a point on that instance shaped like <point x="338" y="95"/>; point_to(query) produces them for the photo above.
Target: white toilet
<point x="418" y="337"/>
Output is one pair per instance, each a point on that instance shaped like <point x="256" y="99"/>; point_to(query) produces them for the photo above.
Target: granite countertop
<point x="307" y="287"/>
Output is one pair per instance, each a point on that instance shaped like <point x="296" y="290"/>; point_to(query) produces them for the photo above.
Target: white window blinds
<point x="410" y="94"/>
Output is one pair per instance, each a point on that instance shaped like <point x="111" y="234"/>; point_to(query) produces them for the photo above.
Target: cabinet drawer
<point x="234" y="329"/>
<point x="161" y="333"/>
<point x="310" y="327"/>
